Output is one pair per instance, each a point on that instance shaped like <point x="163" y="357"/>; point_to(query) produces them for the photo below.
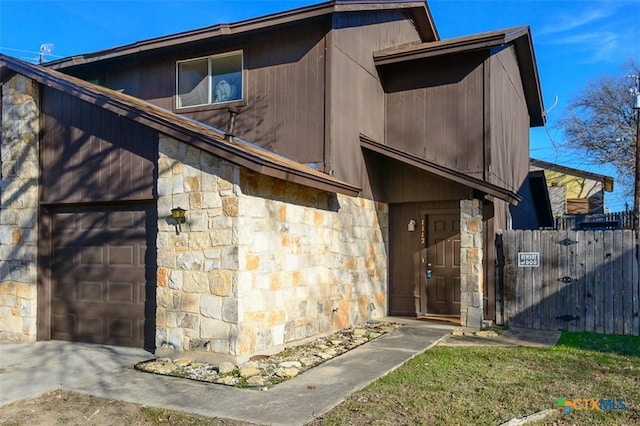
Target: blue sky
<point x="574" y="41"/>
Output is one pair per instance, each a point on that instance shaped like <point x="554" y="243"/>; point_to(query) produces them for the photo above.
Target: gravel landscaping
<point x="263" y="371"/>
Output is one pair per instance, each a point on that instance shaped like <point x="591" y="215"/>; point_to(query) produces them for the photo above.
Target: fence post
<point x="499" y="279"/>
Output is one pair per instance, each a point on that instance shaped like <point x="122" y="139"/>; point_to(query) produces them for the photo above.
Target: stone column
<point x="18" y="209"/>
<point x="471" y="270"/>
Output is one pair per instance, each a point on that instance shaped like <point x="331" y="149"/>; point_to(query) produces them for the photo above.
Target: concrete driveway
<point x="30" y="369"/>
<point x="27" y="370"/>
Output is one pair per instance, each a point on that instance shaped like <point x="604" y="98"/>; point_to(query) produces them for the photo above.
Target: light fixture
<point x="178" y="214"/>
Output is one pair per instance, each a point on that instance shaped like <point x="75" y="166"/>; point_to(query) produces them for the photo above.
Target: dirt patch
<point x="62" y="408"/>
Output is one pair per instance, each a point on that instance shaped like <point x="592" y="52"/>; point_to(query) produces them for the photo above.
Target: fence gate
<point x="568" y="280"/>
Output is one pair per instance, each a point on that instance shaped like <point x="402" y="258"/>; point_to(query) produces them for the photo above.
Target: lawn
<point x="446" y="385"/>
<point x="491" y="385"/>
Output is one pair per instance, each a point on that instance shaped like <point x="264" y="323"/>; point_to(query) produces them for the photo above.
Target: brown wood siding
<point x="89" y="154"/>
<point x="435" y="110"/>
<point x="356" y="95"/>
<point x="508" y="160"/>
<point x="394" y="182"/>
<point x="283" y="108"/>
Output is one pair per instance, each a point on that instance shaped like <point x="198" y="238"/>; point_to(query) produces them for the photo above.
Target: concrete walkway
<point x="28" y="370"/>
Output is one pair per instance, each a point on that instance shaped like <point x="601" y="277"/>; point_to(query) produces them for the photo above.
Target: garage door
<point x="100" y="263"/>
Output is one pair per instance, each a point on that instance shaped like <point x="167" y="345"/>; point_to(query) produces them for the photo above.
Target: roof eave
<point x="424" y="24"/>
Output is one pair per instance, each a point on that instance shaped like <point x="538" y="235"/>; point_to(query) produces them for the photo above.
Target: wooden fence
<point x="568" y="280"/>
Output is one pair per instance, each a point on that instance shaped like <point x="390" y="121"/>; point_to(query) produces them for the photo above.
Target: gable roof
<point x="519" y="37"/>
<point x="188" y="131"/>
<point x="607" y="181"/>
<point x="419" y="10"/>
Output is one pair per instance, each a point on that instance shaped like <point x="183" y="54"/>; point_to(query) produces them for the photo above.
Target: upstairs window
<point x="209" y="81"/>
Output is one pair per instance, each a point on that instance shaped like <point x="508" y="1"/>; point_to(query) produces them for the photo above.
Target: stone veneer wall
<point x="471" y="268"/>
<point x="18" y="209"/>
<point x="260" y="262"/>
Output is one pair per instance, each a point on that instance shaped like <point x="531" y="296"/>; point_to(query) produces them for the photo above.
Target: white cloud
<point x="593" y="46"/>
<point x="566" y="22"/>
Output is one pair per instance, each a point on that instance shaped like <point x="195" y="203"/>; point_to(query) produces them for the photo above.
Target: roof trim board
<point x="422" y="17"/>
<point x="188" y="131"/>
<point x="520" y="37"/>
<point x="439" y="170"/>
<point x="607" y="181"/>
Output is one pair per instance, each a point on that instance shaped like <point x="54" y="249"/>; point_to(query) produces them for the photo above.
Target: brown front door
<point x="443" y="260"/>
<point x="101" y="286"/>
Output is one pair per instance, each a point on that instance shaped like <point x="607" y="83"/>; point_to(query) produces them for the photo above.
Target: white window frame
<point x="210" y="77"/>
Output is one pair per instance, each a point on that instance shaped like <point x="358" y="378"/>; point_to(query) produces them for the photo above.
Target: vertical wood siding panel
<point x="618" y="285"/>
<point x="573" y="288"/>
<point x="537" y="291"/>
<point x="635" y="287"/>
<point x="589" y="304"/>
<point x="84" y="183"/>
<point x="562" y="270"/>
<point x="89" y="155"/>
<point x="547" y="294"/>
<point x="509" y="122"/>
<point x="582" y="277"/>
<point x="70" y="150"/>
<point x="95" y="152"/>
<point x="599" y="284"/>
<point x="627" y="280"/>
<point x="609" y="276"/>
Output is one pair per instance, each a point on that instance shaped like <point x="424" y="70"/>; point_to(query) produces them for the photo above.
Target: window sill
<point x="210" y="107"/>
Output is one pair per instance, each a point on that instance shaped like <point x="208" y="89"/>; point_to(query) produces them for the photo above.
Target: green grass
<point x="615" y="344"/>
<point x="491" y="385"/>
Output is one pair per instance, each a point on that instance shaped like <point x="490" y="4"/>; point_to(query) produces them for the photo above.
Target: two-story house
<point x="337" y="163"/>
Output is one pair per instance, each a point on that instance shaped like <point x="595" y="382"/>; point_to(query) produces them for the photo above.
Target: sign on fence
<point x="530" y="259"/>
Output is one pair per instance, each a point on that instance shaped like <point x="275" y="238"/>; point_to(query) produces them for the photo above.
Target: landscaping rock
<point x="288" y="372"/>
<point x="226" y="367"/>
<point x="246" y="372"/>
<point x="291" y="364"/>
<point x="263" y="371"/>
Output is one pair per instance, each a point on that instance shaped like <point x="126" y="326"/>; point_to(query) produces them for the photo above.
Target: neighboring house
<point x="361" y="170"/>
<point x="574" y="191"/>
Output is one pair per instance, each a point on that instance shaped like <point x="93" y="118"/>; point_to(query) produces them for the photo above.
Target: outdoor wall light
<point x="178" y="214"/>
<point x="411" y="226"/>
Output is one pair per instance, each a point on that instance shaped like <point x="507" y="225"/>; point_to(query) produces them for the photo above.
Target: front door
<point x="443" y="264"/>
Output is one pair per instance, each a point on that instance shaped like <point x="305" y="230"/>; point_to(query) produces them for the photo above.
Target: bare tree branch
<point x="601" y="124"/>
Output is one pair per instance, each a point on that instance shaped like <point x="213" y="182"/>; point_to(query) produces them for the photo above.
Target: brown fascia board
<point x="520" y="37"/>
<point x="188" y="131"/>
<point x="607" y="181"/>
<point x="421" y="13"/>
<point x="441" y="171"/>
